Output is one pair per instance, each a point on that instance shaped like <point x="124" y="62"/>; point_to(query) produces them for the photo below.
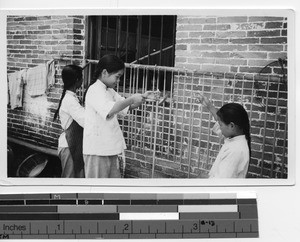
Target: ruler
<point x="128" y="216"/>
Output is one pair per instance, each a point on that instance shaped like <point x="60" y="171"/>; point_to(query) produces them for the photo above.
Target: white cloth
<point x="40" y="78"/>
<point x="36" y="80"/>
<point x="50" y="66"/>
<point x="70" y="110"/>
<point x="232" y="160"/>
<point x="16" y="83"/>
<point x="102" y="137"/>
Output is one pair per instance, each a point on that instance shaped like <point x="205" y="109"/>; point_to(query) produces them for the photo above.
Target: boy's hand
<point x="137" y="98"/>
<point x="203" y="100"/>
<point x="151" y="95"/>
<point x="206" y="103"/>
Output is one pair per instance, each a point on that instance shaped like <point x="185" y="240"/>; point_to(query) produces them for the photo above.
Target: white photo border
<point x="172" y="182"/>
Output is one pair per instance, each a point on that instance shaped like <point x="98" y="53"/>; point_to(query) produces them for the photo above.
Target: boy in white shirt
<point x="103" y="139"/>
<point x="234" y="156"/>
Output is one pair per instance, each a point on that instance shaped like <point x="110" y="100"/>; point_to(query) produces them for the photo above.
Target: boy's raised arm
<point x="133" y="102"/>
<point x="120" y="105"/>
<point x="205" y="101"/>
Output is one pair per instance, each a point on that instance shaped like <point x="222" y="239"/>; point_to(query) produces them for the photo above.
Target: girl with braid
<point x="72" y="116"/>
<point x="233" y="122"/>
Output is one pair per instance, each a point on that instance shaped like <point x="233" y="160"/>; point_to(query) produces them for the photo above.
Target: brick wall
<point x="181" y="134"/>
<point x="33" y="40"/>
<point x="234" y="49"/>
<point x="230" y="51"/>
<point x="243" y="46"/>
<point x="231" y="44"/>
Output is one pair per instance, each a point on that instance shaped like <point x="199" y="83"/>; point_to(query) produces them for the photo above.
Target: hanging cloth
<point x="36" y="80"/>
<point x="16" y="82"/>
<point x="50" y="69"/>
<point x="40" y="79"/>
<point x="74" y="137"/>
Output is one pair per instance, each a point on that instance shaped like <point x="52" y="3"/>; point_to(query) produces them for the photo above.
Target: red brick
<point x="189" y="27"/>
<point x="78" y="26"/>
<point x="203" y="47"/>
<point x="188" y="41"/>
<point x="214" y="41"/>
<point x="249" y="55"/>
<point x="264" y="19"/>
<point x="231" y="19"/>
<point x="276" y="55"/>
<point x="263" y="33"/>
<point x="273" y="25"/>
<point x="195" y="20"/>
<point x="249" y="26"/>
<point x="215" y="68"/>
<point x="231" y="34"/>
<point x="180" y="35"/>
<point x="233" y="69"/>
<point x="249" y="69"/>
<point x="232" y="47"/>
<point x="284" y="32"/>
<point x="29" y="47"/>
<point x="204" y="34"/>
<point x="231" y="61"/>
<point x="244" y="40"/>
<point x="215" y="54"/>
<point x="78" y="21"/>
<point x="66" y="21"/>
<point x="265" y="48"/>
<point x="181" y="47"/>
<point x="78" y="37"/>
<point x="18" y="37"/>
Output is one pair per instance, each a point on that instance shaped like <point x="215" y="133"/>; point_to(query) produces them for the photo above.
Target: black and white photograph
<point x="191" y="96"/>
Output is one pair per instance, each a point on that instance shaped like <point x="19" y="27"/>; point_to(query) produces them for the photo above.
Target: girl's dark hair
<point x="111" y="63"/>
<point x="70" y="74"/>
<point x="234" y="112"/>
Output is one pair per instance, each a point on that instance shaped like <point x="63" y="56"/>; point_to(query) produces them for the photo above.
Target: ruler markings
<point x="204" y="215"/>
<point x="90" y="202"/>
<point x="140" y="227"/>
<point x="125" y="196"/>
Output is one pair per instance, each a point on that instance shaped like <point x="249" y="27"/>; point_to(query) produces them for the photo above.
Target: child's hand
<point x="137" y="98"/>
<point x="206" y="103"/>
<point x="151" y="95"/>
<point x="203" y="100"/>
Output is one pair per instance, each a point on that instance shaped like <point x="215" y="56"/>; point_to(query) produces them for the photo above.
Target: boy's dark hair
<point x="235" y="113"/>
<point x="70" y="74"/>
<point x="111" y="63"/>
